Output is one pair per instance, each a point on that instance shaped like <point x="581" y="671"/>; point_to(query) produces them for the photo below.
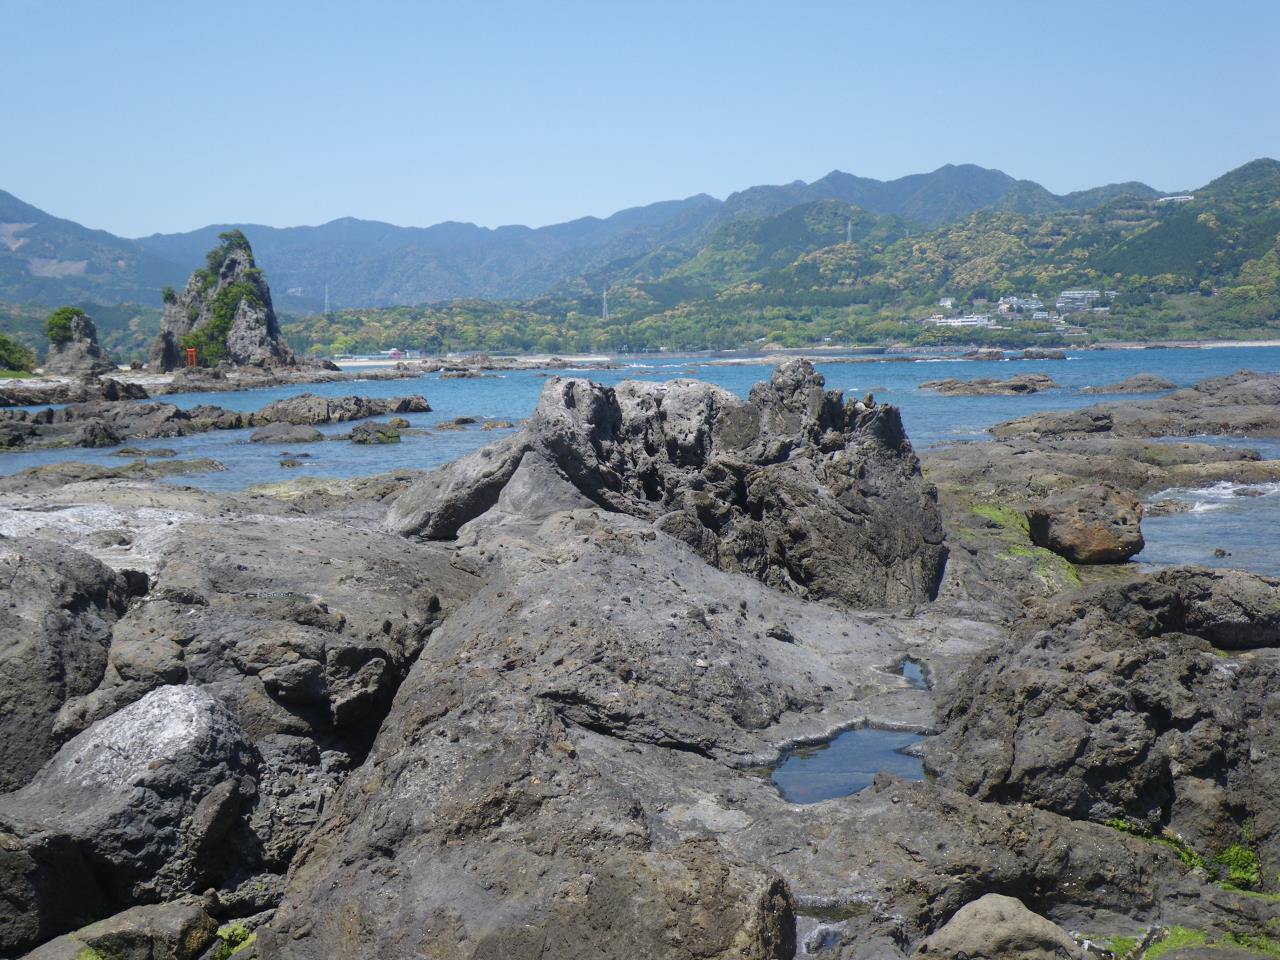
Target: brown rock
<point x="1095" y="523"/>
<point x="996" y="927"/>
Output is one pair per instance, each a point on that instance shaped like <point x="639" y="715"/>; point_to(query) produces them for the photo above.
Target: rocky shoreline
<point x="108" y="423"/>
<point x="525" y="705"/>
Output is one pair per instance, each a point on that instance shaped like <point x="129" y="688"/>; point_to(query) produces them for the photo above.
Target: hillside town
<point x="1079" y="305"/>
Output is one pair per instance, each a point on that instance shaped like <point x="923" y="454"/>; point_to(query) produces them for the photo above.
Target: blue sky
<point x="148" y="116"/>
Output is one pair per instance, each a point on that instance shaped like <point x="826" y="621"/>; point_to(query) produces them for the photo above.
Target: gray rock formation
<point x="285" y="433"/>
<point x="996" y="927"/>
<point x="162" y="931"/>
<point x="1244" y="403"/>
<point x="1138" y="383"/>
<point x="1090" y="523"/>
<point x="231" y="285"/>
<point x="806" y="491"/>
<point x="104" y="423"/>
<point x="136" y="808"/>
<point x="1017" y="385"/>
<point x="1131" y="703"/>
<point x="57" y="607"/>
<point x="374" y="432"/>
<point x="310" y="409"/>
<point x="80" y="355"/>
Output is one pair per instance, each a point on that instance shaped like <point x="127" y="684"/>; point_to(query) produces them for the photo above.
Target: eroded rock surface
<point x="57" y="608"/>
<point x="1093" y="523"/>
<point x="253" y="336"/>
<point x="1132" y="704"/>
<point x="136" y="808"/>
<point x="806" y="491"/>
<point x="80" y="355"/>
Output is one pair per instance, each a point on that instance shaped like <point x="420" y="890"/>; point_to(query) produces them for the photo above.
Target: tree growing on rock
<point x="73" y="345"/>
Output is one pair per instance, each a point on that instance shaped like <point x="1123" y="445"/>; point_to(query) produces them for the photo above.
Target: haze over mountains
<point x="48" y="260"/>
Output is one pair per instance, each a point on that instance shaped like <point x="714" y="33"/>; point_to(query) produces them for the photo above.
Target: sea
<point x="1223" y="517"/>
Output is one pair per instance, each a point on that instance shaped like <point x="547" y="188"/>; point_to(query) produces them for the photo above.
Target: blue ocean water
<point x="1231" y="523"/>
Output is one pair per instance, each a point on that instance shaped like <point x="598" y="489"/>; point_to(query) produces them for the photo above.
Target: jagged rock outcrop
<point x="230" y="303"/>
<point x="570" y="770"/>
<point x="57" y="607"/>
<point x="79" y="355"/>
<point x="796" y="486"/>
<point x="135" y="809"/>
<point x="1134" y="703"/>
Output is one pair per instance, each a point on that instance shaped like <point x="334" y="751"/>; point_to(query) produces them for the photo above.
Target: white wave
<point x="1206" y="506"/>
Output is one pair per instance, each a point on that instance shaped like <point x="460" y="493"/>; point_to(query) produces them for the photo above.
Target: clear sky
<point x="145" y="116"/>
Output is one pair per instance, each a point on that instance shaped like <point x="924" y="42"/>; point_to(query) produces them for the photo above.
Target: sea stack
<point x="74" y="350"/>
<point x="224" y="312"/>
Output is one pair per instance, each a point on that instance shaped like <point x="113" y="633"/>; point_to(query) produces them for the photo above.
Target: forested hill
<point x="1208" y="266"/>
<point x="47" y="260"/>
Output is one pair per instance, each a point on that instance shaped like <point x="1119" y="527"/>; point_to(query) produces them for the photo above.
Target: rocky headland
<point x="525" y="706"/>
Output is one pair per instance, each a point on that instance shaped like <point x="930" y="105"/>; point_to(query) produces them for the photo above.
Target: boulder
<point x="996" y="927"/>
<point x="163" y="931"/>
<point x="1090" y="523"/>
<point x="136" y="808"/>
<point x="57" y="607"/>
<point x="285" y="433"/>
<point x="80" y="355"/>
<point x="802" y="489"/>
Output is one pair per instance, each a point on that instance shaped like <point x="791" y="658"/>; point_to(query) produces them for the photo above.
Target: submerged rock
<point x="374" y="432"/>
<point x="806" y="491"/>
<point x="1244" y="403"/>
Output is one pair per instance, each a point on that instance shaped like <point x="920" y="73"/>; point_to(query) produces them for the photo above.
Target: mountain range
<point x="45" y="260"/>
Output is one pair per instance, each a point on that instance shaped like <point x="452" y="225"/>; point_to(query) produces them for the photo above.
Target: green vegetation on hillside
<point x="124" y="331"/>
<point x="826" y="271"/>
<point x="14" y="356"/>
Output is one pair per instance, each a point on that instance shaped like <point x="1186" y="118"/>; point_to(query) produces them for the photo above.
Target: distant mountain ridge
<point x="48" y="260"/>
